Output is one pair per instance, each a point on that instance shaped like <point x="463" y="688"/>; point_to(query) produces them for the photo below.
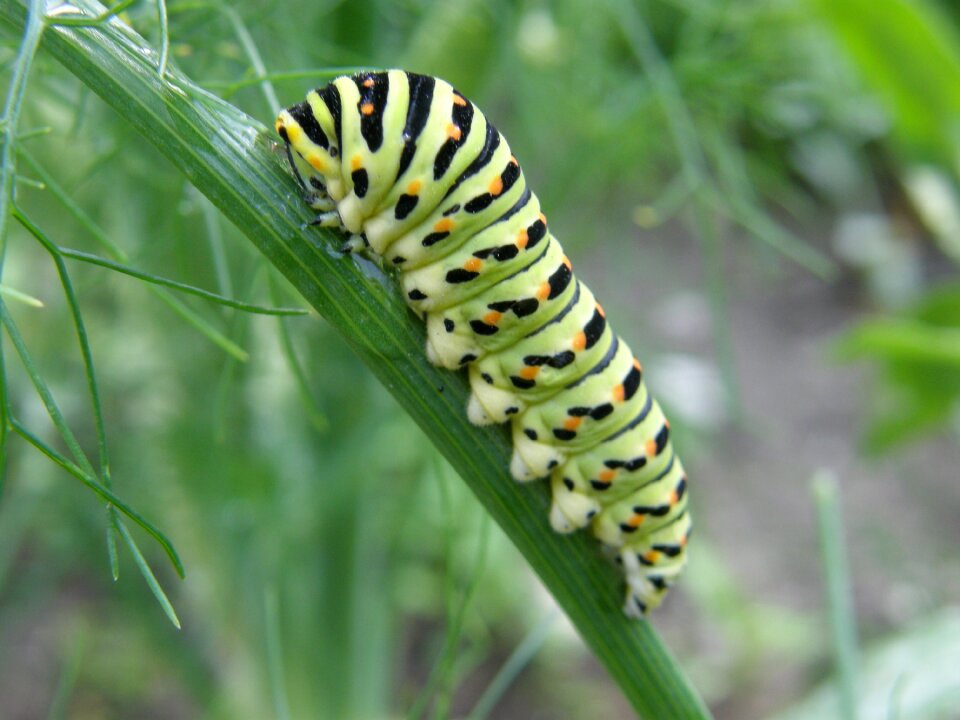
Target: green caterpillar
<point x="415" y="173"/>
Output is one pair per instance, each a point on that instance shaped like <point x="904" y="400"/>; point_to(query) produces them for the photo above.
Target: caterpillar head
<point x="308" y="130"/>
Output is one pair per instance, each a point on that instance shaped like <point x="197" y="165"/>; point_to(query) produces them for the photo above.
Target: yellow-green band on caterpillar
<point x="415" y="173"/>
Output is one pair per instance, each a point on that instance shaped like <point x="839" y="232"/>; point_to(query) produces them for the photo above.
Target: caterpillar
<point x="415" y="174"/>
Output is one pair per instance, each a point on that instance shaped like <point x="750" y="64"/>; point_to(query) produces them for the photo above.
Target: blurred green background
<point x="766" y="197"/>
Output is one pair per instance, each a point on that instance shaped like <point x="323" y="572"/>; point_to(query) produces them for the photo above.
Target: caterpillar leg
<point x="489" y="404"/>
<point x="315" y="194"/>
<point x="532" y="459"/>
<point x="330" y="218"/>
<point x="320" y="202"/>
<point x="355" y="243"/>
<point x="569" y="510"/>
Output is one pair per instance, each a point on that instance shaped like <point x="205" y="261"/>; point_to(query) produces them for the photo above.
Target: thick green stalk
<point x="233" y="160"/>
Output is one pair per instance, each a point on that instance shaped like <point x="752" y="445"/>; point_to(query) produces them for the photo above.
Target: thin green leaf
<point x="104" y="494"/>
<point x="89" y="371"/>
<point x="21" y="297"/>
<point x="148" y="575"/>
<point x="29" y="182"/>
<point x="192" y="318"/>
<point x="206" y="329"/>
<point x="211" y="220"/>
<point x="902" y="339"/>
<point x="253" y="54"/>
<point x="175" y="285"/>
<point x="43" y="391"/>
<point x="112" y="547"/>
<point x="909" y="52"/>
<point x="737" y="198"/>
<point x="232" y="159"/>
<point x="314" y="413"/>
<point x="82" y="339"/>
<point x="36" y="132"/>
<point x="78" y="213"/>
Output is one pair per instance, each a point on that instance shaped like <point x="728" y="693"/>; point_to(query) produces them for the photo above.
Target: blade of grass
<point x="737" y="198"/>
<point x="843" y="624"/>
<point x="233" y="160"/>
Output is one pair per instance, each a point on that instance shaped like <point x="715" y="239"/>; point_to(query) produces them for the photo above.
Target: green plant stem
<point x="278" y="694"/>
<point x="32" y="31"/>
<point x="30" y="39"/>
<point x="438" y="685"/>
<point x="233" y="160"/>
<point x="514" y="665"/>
<point x="316" y="415"/>
<point x="843" y="624"/>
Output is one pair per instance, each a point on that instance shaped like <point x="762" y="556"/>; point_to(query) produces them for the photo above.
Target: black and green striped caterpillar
<point x="415" y="173"/>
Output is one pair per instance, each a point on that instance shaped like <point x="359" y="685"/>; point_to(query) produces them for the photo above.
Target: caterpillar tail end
<point x="652" y="567"/>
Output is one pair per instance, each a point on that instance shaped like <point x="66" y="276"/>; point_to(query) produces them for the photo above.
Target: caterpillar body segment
<point x="420" y="178"/>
